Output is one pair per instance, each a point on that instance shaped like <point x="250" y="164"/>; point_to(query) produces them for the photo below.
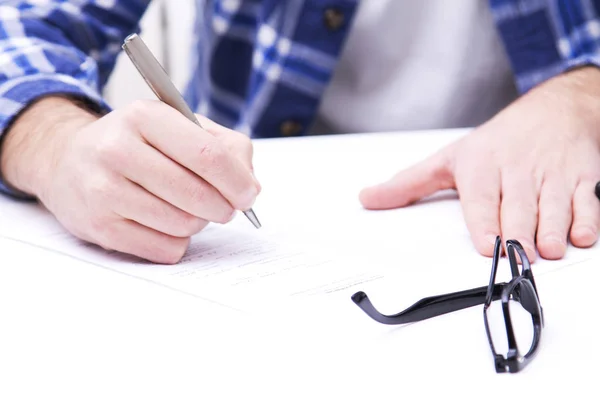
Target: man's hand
<point x="527" y="174"/>
<point x="141" y="180"/>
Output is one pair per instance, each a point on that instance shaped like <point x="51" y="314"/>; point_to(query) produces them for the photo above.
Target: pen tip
<point x="252" y="217"/>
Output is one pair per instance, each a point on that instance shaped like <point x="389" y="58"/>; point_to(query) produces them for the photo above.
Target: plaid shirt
<point x="261" y="66"/>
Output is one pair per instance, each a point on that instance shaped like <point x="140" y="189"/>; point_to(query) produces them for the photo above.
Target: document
<point x="234" y="265"/>
<point x="291" y="261"/>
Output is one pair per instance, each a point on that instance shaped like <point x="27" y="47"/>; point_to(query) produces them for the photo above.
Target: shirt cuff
<point x="527" y="81"/>
<point x="18" y="93"/>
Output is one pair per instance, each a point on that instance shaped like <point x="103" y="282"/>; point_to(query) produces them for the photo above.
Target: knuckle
<point x="226" y="215"/>
<point x="190" y="225"/>
<point x="159" y="211"/>
<point x="589" y="177"/>
<point x="442" y="170"/>
<point x="248" y="148"/>
<point x="110" y="149"/>
<point x="244" y="145"/>
<point x="237" y="142"/>
<point x="138" y="111"/>
<point x="242" y="140"/>
<point x="176" y="250"/>
<point x="212" y="154"/>
<point x="548" y="232"/>
<point x="196" y="190"/>
<point x="482" y="203"/>
<point x="139" y="107"/>
<point x="101" y="189"/>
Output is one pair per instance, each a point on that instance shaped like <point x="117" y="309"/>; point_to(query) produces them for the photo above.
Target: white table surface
<point x="73" y="331"/>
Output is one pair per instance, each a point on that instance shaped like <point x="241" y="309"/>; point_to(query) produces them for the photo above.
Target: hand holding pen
<point x="140" y="180"/>
<point x="158" y="80"/>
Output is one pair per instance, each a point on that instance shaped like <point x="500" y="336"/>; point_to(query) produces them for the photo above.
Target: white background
<point x="168" y="24"/>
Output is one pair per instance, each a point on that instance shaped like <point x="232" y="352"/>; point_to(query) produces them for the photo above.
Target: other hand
<point x="528" y="173"/>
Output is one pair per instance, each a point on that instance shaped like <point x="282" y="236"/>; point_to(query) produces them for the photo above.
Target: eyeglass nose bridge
<point x="523" y="292"/>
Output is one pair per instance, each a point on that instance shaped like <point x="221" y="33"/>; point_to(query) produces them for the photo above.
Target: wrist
<point x="578" y="91"/>
<point x="32" y="145"/>
<point x="572" y="97"/>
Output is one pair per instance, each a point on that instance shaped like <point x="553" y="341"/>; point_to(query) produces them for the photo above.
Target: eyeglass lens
<point x="520" y="318"/>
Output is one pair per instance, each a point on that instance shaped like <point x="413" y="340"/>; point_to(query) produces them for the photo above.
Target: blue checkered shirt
<point x="259" y="63"/>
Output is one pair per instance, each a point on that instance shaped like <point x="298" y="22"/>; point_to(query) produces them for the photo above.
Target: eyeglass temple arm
<point x="429" y="307"/>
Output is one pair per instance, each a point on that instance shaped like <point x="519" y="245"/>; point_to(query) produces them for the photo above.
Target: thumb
<point x="411" y="184"/>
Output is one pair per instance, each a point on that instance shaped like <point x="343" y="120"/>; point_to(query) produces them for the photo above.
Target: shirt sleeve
<point x="544" y="38"/>
<point x="60" y="47"/>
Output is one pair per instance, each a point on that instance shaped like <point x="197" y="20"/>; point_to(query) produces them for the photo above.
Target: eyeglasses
<point x="521" y="288"/>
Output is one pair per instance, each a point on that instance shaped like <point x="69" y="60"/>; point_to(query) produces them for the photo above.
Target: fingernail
<point x="589" y="230"/>
<point x="555" y="239"/>
<point x="552" y="246"/>
<point x="585" y="232"/>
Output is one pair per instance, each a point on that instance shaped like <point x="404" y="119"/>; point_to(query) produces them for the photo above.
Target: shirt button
<point x="290" y="128"/>
<point x="334" y="19"/>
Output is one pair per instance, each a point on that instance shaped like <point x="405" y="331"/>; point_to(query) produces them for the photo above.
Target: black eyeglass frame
<point x="520" y="288"/>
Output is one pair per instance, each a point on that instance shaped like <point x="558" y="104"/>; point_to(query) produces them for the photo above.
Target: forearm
<point x="55" y="49"/>
<point x="27" y="151"/>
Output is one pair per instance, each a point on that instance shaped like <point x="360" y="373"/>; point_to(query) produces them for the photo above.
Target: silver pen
<point x="162" y="86"/>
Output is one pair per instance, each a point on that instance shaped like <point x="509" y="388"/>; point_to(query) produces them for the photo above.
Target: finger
<point x="195" y="149"/>
<point x="518" y="211"/>
<point x="237" y="142"/>
<point x="554" y="219"/>
<point x="481" y="207"/>
<point x="411" y="184"/>
<point x="586" y="215"/>
<point x="139" y="205"/>
<point x="172" y="183"/>
<point x="129" y="237"/>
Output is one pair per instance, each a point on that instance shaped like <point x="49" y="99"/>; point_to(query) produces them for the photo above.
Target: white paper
<point x="234" y="265"/>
